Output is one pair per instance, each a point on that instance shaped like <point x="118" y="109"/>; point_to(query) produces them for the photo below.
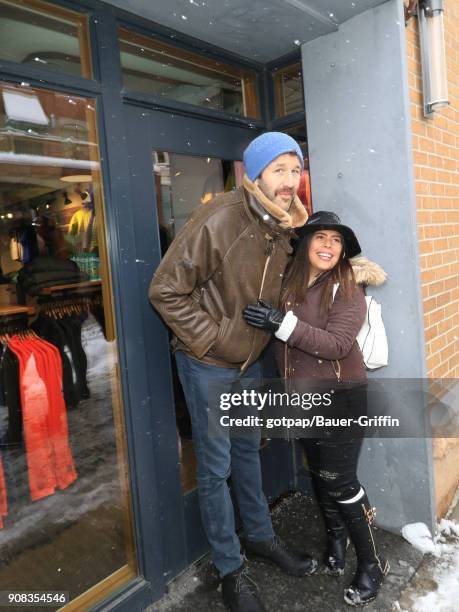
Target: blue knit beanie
<point x="265" y="148"/>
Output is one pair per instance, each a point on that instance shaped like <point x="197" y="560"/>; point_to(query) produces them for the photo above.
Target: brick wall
<point x="436" y="170"/>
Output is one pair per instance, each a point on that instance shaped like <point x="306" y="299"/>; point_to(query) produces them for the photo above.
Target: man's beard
<point x="271" y="194"/>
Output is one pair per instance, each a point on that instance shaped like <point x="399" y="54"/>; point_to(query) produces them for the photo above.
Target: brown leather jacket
<point x="229" y="253"/>
<point x="323" y="345"/>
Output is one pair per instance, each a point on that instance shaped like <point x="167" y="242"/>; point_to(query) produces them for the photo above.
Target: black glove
<point x="263" y="316"/>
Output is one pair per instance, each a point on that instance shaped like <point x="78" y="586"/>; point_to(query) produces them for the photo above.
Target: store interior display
<point x="59" y="460"/>
<point x="50" y="264"/>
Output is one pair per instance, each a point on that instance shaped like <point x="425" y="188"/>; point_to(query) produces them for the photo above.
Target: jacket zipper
<point x="268" y="252"/>
<point x="337" y="369"/>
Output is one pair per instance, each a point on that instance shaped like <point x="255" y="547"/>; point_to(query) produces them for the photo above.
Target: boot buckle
<point x="370" y="514"/>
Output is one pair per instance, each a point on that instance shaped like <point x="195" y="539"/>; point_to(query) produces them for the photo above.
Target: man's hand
<point x="263" y="316"/>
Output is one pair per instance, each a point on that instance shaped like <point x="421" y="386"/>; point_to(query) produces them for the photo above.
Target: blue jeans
<point x="218" y="458"/>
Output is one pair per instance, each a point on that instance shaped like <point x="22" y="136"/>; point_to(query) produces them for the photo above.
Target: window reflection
<point x="45" y="36"/>
<point x="64" y="497"/>
<point x="153" y="67"/>
<point x="183" y="182"/>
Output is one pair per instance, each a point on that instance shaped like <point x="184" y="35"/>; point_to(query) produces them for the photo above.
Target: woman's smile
<point x="325" y="250"/>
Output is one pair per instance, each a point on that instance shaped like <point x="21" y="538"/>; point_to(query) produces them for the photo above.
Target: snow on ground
<point x="446" y="572"/>
<point x="442" y="569"/>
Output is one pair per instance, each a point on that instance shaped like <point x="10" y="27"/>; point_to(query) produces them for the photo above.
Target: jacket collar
<point x="367" y="272"/>
<point x="296" y="216"/>
<point x="265" y="224"/>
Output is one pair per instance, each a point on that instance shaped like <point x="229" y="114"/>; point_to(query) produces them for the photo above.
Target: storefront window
<point x="64" y="496"/>
<point x="159" y="69"/>
<point x="45" y="36"/>
<point x="182" y="182"/>
<point x="288" y="85"/>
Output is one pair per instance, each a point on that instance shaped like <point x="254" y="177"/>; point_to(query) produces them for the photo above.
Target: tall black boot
<point x="335" y="527"/>
<point x="371" y="566"/>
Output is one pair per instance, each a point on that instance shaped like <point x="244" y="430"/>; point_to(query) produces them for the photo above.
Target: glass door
<point x="65" y="522"/>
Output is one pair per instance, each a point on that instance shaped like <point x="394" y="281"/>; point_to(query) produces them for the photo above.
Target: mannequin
<point x="83" y="224"/>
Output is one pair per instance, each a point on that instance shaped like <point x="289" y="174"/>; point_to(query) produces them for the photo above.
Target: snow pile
<point x="445" y="571"/>
<point x="419" y="536"/>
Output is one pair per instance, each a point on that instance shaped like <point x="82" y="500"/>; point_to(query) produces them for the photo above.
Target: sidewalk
<point x="297" y="521"/>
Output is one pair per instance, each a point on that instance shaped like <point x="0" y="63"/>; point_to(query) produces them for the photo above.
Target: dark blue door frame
<point x="154" y="130"/>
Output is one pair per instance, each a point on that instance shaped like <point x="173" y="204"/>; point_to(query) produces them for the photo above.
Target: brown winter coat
<point x="323" y="345"/>
<point x="229" y="253"/>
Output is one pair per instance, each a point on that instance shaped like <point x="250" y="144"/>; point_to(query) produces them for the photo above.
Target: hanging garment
<point x="15" y="249"/>
<point x="65" y="334"/>
<point x="9" y="379"/>
<point x="97" y="310"/>
<point x="48" y="328"/>
<point x="23" y="243"/>
<point x="3" y="497"/>
<point x="28" y="240"/>
<point x="57" y="415"/>
<point x="71" y="327"/>
<point x="34" y="401"/>
<point x="49" y="458"/>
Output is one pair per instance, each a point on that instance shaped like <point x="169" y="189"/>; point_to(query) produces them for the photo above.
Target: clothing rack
<point x="13" y="310"/>
<point x="70" y="292"/>
<point x="61" y="300"/>
<point x="14" y="318"/>
<point x="62" y="305"/>
<point x="84" y="286"/>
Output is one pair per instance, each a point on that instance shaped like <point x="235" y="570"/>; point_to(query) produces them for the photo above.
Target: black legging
<point x="333" y="458"/>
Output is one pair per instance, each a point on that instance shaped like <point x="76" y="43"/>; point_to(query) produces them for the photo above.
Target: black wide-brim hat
<point x="324" y="219"/>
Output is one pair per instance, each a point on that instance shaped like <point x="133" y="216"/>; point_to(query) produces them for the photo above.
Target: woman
<point x="324" y="309"/>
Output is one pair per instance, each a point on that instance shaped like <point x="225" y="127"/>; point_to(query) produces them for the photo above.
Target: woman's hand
<point x="263" y="316"/>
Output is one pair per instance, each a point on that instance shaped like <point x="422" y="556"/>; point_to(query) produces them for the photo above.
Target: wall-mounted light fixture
<point x="433" y="56"/>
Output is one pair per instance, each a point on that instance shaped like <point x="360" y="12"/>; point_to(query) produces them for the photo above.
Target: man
<point x="230" y="253"/>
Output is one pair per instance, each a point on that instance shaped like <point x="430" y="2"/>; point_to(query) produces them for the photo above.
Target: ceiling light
<point x="77" y="178"/>
<point x="24" y="108"/>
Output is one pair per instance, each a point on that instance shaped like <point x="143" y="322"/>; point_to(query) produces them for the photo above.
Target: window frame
<point x="278" y="84"/>
<point x="78" y="19"/>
